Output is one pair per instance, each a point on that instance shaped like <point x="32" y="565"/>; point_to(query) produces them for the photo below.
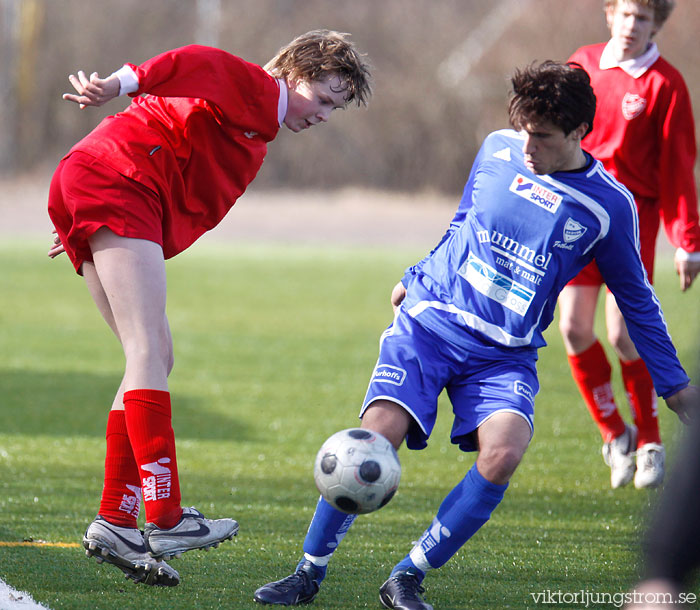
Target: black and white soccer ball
<point x="357" y="471"/>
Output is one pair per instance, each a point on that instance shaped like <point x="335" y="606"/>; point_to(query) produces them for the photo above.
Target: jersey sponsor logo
<point x="131" y="503"/>
<point x="535" y="193"/>
<point x="389" y="374"/>
<point x="496" y="286"/>
<point x="250" y="134"/>
<point x="512" y="248"/>
<point x="340" y="534"/>
<point x="433" y="535"/>
<point x="158" y="485"/>
<point x="604" y="398"/>
<point x="522" y="389"/>
<point x="633" y="105"/>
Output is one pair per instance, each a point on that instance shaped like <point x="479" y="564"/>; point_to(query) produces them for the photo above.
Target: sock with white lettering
<point x="463" y="511"/>
<point x="121" y="493"/>
<point x="153" y="443"/>
<point x="592" y="373"/>
<point x="327" y="528"/>
<point x="642" y="399"/>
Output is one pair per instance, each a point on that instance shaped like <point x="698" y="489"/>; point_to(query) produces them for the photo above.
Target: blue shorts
<point x="415" y="365"/>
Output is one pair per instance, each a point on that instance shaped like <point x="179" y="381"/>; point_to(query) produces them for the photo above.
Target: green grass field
<point x="273" y="351"/>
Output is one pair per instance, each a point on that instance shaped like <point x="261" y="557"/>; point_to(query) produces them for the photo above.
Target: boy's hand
<point x="687" y="270"/>
<point x="398" y="294"/>
<point x="56" y="246"/>
<point x="685" y="403"/>
<point x="93" y="91"/>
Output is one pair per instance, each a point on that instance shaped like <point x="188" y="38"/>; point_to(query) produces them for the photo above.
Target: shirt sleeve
<point x="195" y="71"/>
<point x="677" y="192"/>
<point x="617" y="257"/>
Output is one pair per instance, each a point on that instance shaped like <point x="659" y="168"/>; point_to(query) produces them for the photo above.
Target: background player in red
<point x="139" y="189"/>
<point x="644" y="134"/>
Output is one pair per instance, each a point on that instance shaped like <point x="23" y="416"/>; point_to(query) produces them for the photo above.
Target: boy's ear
<point x="580" y="131"/>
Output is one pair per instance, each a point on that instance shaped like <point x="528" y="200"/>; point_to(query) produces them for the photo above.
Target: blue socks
<point x="465" y="509"/>
<point x="328" y="527"/>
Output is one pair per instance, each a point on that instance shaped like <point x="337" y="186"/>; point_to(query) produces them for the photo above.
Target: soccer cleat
<point x="619" y="455"/>
<point x="124" y="548"/>
<point x="650" y="465"/>
<point x="402" y="592"/>
<point x="297" y="589"/>
<point x="193" y="531"/>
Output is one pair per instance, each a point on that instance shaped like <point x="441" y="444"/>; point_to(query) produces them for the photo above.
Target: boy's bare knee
<point x="497" y="464"/>
<point x="389" y="419"/>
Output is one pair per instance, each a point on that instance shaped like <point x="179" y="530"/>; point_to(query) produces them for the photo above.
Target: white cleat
<point x="124" y="548"/>
<point x="619" y="455"/>
<point x="650" y="466"/>
<point x="193" y="531"/>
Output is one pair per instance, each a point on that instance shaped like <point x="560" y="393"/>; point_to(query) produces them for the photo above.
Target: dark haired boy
<point x="469" y="318"/>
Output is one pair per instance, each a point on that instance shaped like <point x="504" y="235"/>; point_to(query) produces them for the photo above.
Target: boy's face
<point x="547" y="150"/>
<point x="311" y="102"/>
<point x="632" y="26"/>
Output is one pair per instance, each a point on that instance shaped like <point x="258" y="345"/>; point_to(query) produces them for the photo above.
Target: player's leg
<point x="114" y="536"/>
<point x="328" y="525"/>
<point x="650" y="453"/>
<point x="592" y="373"/>
<point x="503" y="440"/>
<point x="493" y="403"/>
<point x="132" y="275"/>
<point x="589" y="364"/>
<point x="385" y="411"/>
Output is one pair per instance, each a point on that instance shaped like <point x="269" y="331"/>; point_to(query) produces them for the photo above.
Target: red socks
<point x="642" y="399"/>
<point x="121" y="494"/>
<point x="153" y="443"/>
<point x="591" y="371"/>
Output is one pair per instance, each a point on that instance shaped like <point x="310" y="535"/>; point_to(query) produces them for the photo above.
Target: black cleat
<point x="295" y="590"/>
<point x="402" y="592"/>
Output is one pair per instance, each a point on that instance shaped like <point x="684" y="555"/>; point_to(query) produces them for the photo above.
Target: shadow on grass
<point x="77" y="404"/>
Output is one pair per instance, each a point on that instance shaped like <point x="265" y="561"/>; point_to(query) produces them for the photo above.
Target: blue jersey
<point x="516" y="240"/>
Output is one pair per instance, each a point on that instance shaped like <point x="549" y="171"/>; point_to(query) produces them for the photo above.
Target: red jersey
<point x="644" y="134"/>
<point x="197" y="137"/>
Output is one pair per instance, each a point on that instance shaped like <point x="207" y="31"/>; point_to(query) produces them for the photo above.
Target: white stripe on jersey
<point x="597" y="209"/>
<point x="492" y="331"/>
<point x="610" y="179"/>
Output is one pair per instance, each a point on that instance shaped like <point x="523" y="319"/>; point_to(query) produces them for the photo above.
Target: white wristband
<point x="128" y="81"/>
<point x="682" y="255"/>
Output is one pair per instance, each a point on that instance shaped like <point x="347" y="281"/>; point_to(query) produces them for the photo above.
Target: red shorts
<point x="648" y="230"/>
<point x="85" y="195"/>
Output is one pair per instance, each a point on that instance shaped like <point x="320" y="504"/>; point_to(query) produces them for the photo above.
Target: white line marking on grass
<point x="11" y="599"/>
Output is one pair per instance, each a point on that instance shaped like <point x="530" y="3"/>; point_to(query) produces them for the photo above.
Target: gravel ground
<point x="345" y="217"/>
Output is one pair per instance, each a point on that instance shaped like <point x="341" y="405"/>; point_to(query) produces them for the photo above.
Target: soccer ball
<point x="357" y="471"/>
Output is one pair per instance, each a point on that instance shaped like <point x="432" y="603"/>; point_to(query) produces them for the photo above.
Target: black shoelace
<point x="292" y="581"/>
<point x="408" y="584"/>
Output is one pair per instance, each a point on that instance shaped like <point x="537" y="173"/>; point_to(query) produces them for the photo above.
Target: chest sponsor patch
<point x="535" y="193"/>
<point x="633" y="105"/>
<point x="497" y="286"/>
